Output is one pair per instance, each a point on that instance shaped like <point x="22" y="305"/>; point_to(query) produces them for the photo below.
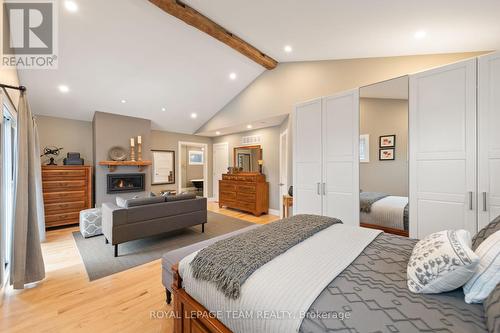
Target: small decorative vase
<point x="290" y="191"/>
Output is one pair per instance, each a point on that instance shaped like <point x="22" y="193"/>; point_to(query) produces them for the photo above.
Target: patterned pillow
<point x="491" y="228"/>
<point x="487" y="273"/>
<point x="492" y="310"/>
<point x="441" y="262"/>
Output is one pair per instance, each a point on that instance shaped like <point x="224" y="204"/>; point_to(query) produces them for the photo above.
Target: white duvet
<point x="387" y="212"/>
<point x="276" y="296"/>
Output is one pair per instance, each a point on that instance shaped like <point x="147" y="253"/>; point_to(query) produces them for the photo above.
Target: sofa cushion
<point x="179" y="197"/>
<point x="128" y="203"/>
<point x="165" y="209"/>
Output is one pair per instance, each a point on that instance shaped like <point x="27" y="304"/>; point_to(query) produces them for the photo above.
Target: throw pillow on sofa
<point x="441" y="262"/>
<point x="487" y="275"/>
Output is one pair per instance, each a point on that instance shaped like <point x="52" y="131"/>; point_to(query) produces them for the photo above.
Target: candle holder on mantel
<point x="139" y="148"/>
<point x="132" y="150"/>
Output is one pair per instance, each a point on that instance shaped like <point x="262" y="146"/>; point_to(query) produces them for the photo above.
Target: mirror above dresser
<point x="247" y="158"/>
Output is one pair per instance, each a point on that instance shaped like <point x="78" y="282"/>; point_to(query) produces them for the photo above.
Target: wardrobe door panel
<point x="341" y="156"/>
<point x="489" y="138"/>
<point x="307" y="158"/>
<point x="443" y="149"/>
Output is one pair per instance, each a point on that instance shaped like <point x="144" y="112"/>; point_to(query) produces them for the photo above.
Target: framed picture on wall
<point x="163" y="167"/>
<point x="387" y="141"/>
<point x="387" y="154"/>
<point x="196" y="157"/>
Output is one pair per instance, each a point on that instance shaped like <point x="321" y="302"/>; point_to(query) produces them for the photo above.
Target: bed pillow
<point x="484" y="233"/>
<point x="441" y="262"/>
<point x="487" y="274"/>
<point x="492" y="310"/>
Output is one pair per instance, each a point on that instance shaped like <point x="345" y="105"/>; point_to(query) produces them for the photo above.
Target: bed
<point x="385" y="212"/>
<point x="372" y="285"/>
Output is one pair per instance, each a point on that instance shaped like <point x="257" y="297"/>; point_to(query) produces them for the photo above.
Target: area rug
<point x="99" y="260"/>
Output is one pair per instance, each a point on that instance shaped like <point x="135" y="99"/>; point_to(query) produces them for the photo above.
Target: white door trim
<point x="285" y="162"/>
<point x="215" y="195"/>
<point x="205" y="164"/>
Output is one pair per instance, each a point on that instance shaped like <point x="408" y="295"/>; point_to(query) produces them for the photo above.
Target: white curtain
<point x="27" y="264"/>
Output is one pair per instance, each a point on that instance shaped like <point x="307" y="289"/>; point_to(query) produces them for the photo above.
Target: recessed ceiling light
<point x="71" y="6"/>
<point x="194" y="115"/>
<point x="163" y="109"/>
<point x="217" y="133"/>
<point x="420" y="34"/>
<point x="288" y="48"/>
<point x="249" y="126"/>
<point x="232" y="76"/>
<point x="124" y="101"/>
<point x="63" y="88"/>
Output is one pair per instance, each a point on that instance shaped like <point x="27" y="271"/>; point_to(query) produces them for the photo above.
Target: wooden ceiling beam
<point x="203" y="23"/>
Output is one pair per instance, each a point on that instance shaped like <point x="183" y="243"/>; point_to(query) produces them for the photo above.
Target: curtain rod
<point x="22" y="88"/>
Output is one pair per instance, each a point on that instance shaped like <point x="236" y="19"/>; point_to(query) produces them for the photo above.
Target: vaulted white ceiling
<point x="111" y="50"/>
<point x="129" y="49"/>
<point x="341" y="29"/>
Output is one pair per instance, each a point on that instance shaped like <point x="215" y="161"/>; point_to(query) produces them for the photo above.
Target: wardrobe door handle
<point x="485" y="208"/>
<point x="470" y="201"/>
<point x="317" y="188"/>
<point x="324" y="188"/>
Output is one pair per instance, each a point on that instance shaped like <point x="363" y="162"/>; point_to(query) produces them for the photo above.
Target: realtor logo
<point x="29" y="35"/>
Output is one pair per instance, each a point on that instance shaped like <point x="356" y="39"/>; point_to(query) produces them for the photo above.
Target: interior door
<point x="220" y="165"/>
<point x="443" y="149"/>
<point x="283" y="167"/>
<point x="489" y="139"/>
<point x="341" y="157"/>
<point x="307" y="158"/>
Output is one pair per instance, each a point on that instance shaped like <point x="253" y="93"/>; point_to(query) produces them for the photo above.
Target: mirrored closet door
<point x="383" y="156"/>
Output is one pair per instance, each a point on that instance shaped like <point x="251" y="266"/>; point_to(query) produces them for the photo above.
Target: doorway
<point x="283" y="168"/>
<point x="193" y="168"/>
<point x="220" y="165"/>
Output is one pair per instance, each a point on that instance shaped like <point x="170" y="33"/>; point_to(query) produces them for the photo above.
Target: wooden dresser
<point x="245" y="191"/>
<point x="66" y="191"/>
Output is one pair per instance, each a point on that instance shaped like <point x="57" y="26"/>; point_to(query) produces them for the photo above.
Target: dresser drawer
<point x="63" y="207"/>
<point x="67" y="174"/>
<point x="224" y="195"/>
<point x="250" y="188"/>
<point x="245" y="205"/>
<point x="63" y="218"/>
<point x="56" y="197"/>
<point x="62" y="186"/>
<point x="226" y="186"/>
<point x="247" y="197"/>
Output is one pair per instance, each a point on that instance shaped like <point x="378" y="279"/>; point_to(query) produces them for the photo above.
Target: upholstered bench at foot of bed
<point x="173" y="257"/>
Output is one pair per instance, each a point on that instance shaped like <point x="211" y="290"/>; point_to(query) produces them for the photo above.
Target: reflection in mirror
<point x="163" y="167"/>
<point x="383" y="156"/>
<point x="247" y="158"/>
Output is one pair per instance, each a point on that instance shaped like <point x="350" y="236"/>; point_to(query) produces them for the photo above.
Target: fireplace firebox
<point x="125" y="182"/>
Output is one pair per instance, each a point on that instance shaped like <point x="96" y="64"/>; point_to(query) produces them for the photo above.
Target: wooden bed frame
<point x="191" y="316"/>
<point x="388" y="230"/>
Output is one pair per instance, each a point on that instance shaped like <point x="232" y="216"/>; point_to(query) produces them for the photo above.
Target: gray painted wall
<point x="270" y="155"/>
<point x="72" y="135"/>
<point x="116" y="130"/>
<point x="385" y="117"/>
<point x="170" y="141"/>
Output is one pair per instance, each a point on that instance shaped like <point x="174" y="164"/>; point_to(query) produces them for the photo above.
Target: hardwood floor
<point x="129" y="301"/>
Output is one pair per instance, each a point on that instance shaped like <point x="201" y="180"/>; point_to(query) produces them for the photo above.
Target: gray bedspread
<point x="229" y="262"/>
<point x="372" y="292"/>
<point x="367" y="199"/>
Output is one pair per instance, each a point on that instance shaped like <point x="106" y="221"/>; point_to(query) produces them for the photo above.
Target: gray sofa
<point x="144" y="217"/>
<point x="173" y="257"/>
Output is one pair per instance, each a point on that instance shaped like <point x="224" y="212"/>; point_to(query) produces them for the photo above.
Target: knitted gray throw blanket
<point x="229" y="262"/>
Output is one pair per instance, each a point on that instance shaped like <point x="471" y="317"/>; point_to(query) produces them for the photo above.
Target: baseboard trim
<point x="274" y="212"/>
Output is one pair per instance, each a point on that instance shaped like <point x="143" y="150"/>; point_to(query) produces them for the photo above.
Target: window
<point x="7" y="160"/>
<point x="364" y="148"/>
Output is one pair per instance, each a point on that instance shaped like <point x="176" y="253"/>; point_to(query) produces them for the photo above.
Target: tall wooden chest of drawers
<point x="66" y="191"/>
<point x="245" y="191"/>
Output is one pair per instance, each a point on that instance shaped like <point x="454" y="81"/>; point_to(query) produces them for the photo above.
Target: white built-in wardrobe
<point x="454" y="145"/>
